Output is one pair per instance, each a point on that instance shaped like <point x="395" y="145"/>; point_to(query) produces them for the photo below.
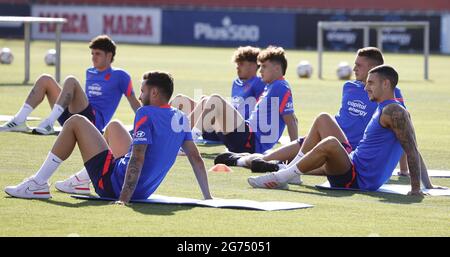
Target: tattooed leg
<point x="45" y="85"/>
<point x="72" y="96"/>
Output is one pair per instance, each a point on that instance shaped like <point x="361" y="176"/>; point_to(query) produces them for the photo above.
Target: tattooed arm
<point x="133" y="172"/>
<point x="398" y="120"/>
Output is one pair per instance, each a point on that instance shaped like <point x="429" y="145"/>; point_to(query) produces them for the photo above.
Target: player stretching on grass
<point x="271" y="114"/>
<point x="370" y="165"/>
<point x="103" y="91"/>
<point x="159" y="132"/>
<point x="354" y="114"/>
<point x="245" y="91"/>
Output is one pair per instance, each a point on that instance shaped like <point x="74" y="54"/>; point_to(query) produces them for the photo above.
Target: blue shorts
<point x="100" y="169"/>
<point x="89" y="113"/>
<point x="347" y="180"/>
<point x="240" y="142"/>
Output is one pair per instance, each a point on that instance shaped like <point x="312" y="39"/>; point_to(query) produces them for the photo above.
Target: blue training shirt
<point x="378" y="152"/>
<point x="266" y="120"/>
<point x="245" y="94"/>
<point x="104" y="89"/>
<point x="164" y="129"/>
<point x="356" y="110"/>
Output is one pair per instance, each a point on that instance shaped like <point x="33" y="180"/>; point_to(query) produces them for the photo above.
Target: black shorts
<point x="100" y="168"/>
<point x="347" y="180"/>
<point x="300" y="140"/>
<point x="212" y="136"/>
<point x="240" y="142"/>
<point x="89" y="113"/>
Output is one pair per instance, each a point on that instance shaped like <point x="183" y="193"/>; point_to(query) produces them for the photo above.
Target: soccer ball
<point x="344" y="71"/>
<point x="304" y="69"/>
<point x="6" y="56"/>
<point x="50" y="57"/>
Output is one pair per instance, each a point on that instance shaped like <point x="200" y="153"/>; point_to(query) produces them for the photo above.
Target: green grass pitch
<point x="211" y="71"/>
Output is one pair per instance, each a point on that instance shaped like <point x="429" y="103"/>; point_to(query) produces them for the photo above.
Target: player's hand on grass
<point x="121" y="203"/>
<point x="417" y="193"/>
<point x="209" y="198"/>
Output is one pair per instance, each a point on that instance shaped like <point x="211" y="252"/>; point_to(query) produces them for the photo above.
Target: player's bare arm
<point x="398" y="119"/>
<point x="134" y="102"/>
<point x="133" y="172"/>
<point x="198" y="166"/>
<point x="424" y="176"/>
<point x="292" y="125"/>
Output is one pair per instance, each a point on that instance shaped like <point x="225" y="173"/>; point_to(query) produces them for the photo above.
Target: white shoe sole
<point x="36" y="195"/>
<point x="79" y="190"/>
<point x="21" y="129"/>
<point x="38" y="131"/>
<point x="268" y="185"/>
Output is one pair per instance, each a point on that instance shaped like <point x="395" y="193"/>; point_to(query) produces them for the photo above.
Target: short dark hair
<point x="246" y="53"/>
<point x="160" y="79"/>
<point x="373" y="54"/>
<point x="386" y="72"/>
<point x="274" y="54"/>
<point x="104" y="43"/>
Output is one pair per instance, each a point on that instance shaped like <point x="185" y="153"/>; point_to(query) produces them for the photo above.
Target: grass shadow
<point x="401" y="180"/>
<point x="382" y="197"/>
<point x="210" y="156"/>
<point x="63" y="203"/>
<point x="148" y="209"/>
<point x="324" y="192"/>
<point x="159" y="209"/>
<point x="398" y="199"/>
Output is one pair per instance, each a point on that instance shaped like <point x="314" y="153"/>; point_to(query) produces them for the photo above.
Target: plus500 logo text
<point x="228" y="31"/>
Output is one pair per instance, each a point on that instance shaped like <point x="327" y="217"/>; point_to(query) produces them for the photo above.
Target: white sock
<point x="296" y="159"/>
<point x="282" y="166"/>
<point x="47" y="169"/>
<point x="56" y="112"/>
<point x="83" y="174"/>
<point x="241" y="162"/>
<point x="196" y="133"/>
<point x="22" y="114"/>
<point x="287" y="174"/>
